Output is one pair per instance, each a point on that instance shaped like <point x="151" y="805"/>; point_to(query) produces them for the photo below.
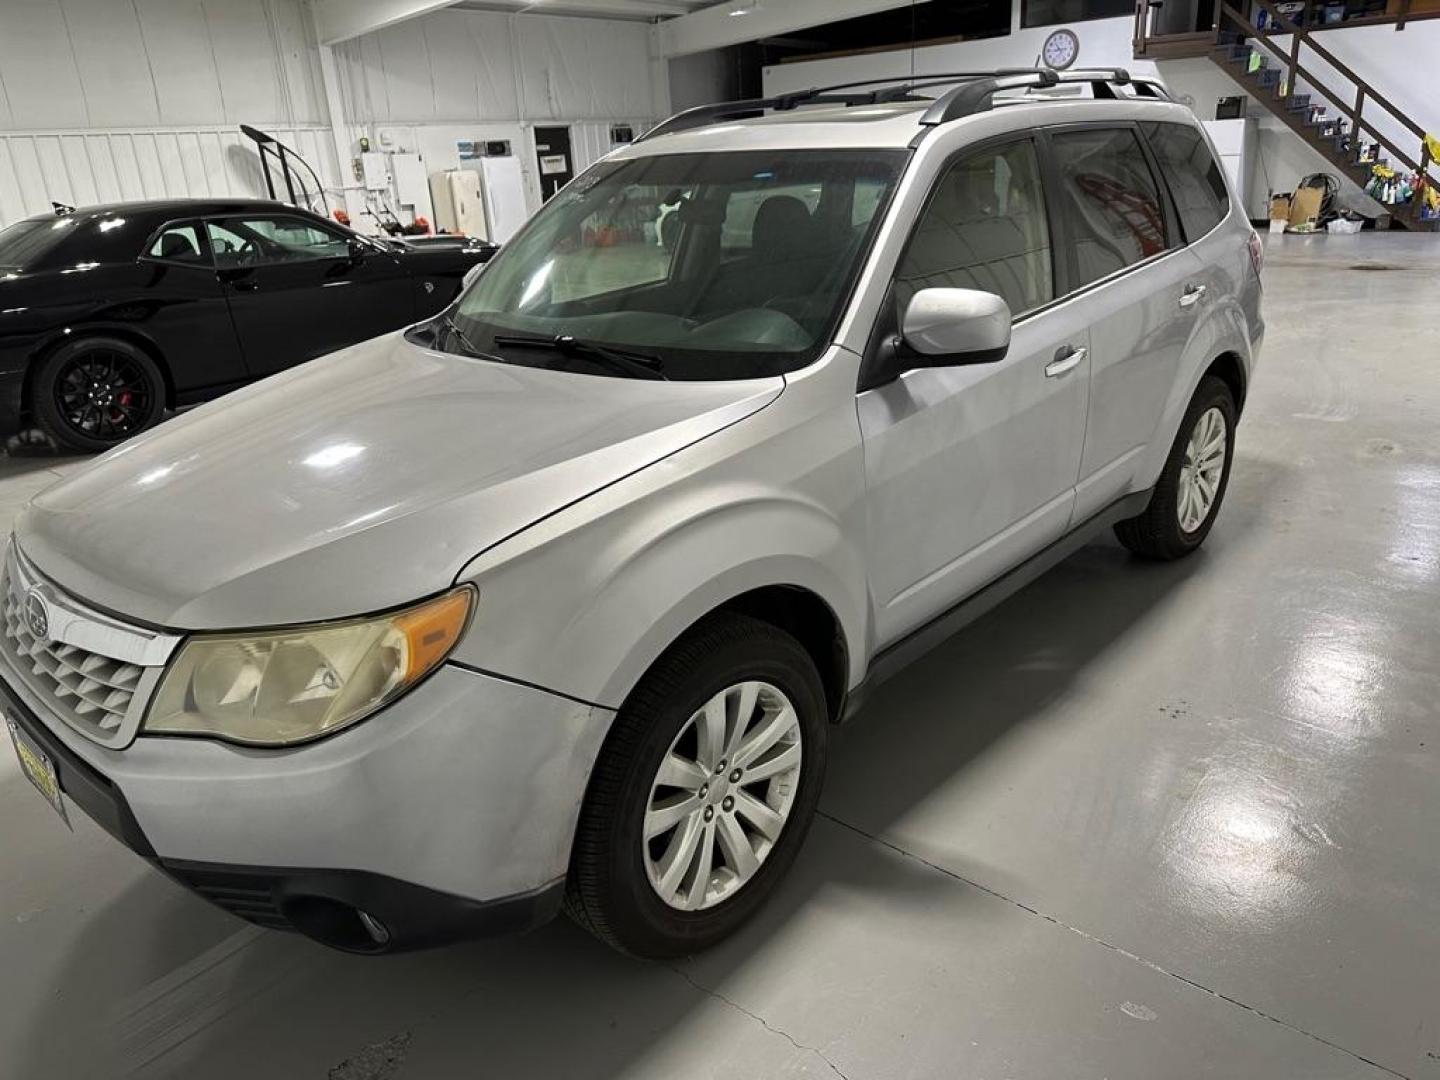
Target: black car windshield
<point x="25" y="241"/>
<point x="720" y="266"/>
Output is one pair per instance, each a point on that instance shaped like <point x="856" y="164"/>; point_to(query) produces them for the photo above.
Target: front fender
<point x="587" y="617"/>
<point x="585" y="601"/>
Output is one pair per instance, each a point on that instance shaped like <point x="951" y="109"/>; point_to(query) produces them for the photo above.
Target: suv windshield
<point x="25" y="241"/>
<point x="718" y="266"/>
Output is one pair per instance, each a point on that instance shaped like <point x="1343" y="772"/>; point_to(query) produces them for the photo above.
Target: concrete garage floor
<point x="1141" y="822"/>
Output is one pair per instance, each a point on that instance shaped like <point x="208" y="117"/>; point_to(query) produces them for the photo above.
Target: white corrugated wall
<point x="104" y="100"/>
<point x="123" y="99"/>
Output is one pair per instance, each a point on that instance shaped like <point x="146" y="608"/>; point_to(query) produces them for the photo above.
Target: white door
<point x="971" y="469"/>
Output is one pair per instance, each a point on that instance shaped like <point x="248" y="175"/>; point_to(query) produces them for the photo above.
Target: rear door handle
<point x="1192" y="295"/>
<point x="1066" y="360"/>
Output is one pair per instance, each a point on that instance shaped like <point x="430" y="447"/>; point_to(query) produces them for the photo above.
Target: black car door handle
<point x="243" y="284"/>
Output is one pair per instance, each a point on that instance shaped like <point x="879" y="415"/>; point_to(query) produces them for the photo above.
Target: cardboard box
<point x="1305" y="206"/>
<point x="1280" y="208"/>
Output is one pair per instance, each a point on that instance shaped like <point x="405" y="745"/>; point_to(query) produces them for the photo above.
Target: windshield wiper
<point x="641" y="365"/>
<point x="452" y="328"/>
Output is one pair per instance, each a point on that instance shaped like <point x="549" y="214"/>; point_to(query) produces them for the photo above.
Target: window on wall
<point x="1056" y="12"/>
<point x="1110" y="200"/>
<point x="1194" y="178"/>
<point x="984" y="228"/>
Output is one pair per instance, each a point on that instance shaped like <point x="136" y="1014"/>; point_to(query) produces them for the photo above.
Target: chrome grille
<point x="90" y="670"/>
<point x="95" y="691"/>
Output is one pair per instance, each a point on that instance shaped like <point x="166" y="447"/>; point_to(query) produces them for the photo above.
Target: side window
<point x="1110" y="200"/>
<point x="984" y="228"/>
<point x="1195" y="180"/>
<point x="180" y="244"/>
<point x="865" y="201"/>
<point x="264" y="241"/>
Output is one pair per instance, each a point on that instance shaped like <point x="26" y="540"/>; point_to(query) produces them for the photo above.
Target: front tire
<point x="703" y="792"/>
<point x="1192" y="485"/>
<point x="95" y="393"/>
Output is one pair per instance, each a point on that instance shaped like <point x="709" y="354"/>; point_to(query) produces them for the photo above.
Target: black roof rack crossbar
<point x="975" y="97"/>
<point x="974" y="94"/>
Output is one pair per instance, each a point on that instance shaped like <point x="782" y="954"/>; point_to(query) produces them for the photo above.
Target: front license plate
<point x="38" y="768"/>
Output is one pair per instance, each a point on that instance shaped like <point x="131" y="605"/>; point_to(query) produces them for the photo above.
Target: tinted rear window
<point x="25" y="241"/>
<point x="1111" y="200"/>
<point x="1194" y="178"/>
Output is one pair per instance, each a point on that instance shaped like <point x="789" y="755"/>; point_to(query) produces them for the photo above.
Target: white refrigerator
<point x="459" y="203"/>
<point x="504" y="188"/>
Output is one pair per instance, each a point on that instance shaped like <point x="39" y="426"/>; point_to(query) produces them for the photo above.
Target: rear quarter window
<point x="23" y="244"/>
<point x="1192" y="174"/>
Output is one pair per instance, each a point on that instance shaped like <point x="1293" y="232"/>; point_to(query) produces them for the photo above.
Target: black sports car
<point x="109" y="315"/>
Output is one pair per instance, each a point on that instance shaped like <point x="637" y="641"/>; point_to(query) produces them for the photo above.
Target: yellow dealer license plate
<point x="38" y="768"/>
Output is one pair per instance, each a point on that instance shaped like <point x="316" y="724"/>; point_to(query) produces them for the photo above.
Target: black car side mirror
<point x="358" y="249"/>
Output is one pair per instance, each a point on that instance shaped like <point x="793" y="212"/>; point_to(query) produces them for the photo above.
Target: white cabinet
<point x="1237" y="143"/>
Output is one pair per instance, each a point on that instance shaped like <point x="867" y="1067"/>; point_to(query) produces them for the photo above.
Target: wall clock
<point x="1060" y="49"/>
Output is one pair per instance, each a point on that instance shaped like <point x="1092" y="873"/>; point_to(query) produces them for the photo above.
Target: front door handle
<point x="1192" y="295"/>
<point x="1066" y="360"/>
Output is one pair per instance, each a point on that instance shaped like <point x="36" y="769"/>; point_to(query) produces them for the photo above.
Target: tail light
<point x="1257" y="252"/>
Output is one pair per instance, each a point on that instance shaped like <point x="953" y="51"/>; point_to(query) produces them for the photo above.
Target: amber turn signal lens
<point x="432" y="629"/>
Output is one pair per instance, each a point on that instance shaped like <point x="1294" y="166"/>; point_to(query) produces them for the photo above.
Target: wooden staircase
<point x="1339" y="136"/>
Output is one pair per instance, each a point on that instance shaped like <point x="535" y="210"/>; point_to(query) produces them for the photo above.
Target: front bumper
<point x="449" y="814"/>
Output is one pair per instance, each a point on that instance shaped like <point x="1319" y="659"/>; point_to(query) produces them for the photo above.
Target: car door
<point x="970" y="469"/>
<point x="1136" y="280"/>
<point x="186" y="313"/>
<point x="299" y="289"/>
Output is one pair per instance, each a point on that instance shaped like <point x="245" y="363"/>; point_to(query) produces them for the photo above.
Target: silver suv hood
<point x="357" y="482"/>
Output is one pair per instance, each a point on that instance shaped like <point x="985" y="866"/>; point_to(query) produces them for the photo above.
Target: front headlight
<point x="276" y="687"/>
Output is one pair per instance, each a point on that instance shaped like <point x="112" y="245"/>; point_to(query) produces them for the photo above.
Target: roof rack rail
<point x="973" y="95"/>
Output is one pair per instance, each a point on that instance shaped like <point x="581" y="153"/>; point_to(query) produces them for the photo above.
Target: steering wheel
<point x="248" y="252"/>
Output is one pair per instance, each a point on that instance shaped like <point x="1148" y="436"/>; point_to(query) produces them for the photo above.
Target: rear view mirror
<point x="956" y="326"/>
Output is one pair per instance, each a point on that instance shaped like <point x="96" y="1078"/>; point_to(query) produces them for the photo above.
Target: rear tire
<point x="1192" y="485"/>
<point x="618" y="887"/>
<point x="94" y="393"/>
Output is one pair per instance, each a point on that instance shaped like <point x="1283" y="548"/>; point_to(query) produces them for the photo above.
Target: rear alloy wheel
<point x="95" y="393"/>
<point x="703" y="792"/>
<point x="1188" y="495"/>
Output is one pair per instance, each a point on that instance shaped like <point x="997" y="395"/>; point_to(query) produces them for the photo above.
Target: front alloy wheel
<point x="703" y="791"/>
<point x="722" y="795"/>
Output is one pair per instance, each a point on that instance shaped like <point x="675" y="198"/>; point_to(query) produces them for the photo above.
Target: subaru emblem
<point x="37" y="615"/>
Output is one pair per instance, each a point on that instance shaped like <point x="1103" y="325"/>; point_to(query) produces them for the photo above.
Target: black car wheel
<point x="703" y="792"/>
<point x="95" y="393"/>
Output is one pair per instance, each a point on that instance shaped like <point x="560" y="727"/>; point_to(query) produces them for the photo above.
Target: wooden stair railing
<point x="1231" y="41"/>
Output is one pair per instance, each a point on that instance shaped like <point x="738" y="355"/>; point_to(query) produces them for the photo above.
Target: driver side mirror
<point x="944" y="327"/>
<point x="358" y="249"/>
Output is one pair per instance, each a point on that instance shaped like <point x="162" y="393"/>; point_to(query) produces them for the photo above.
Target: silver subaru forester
<point x="550" y="602"/>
